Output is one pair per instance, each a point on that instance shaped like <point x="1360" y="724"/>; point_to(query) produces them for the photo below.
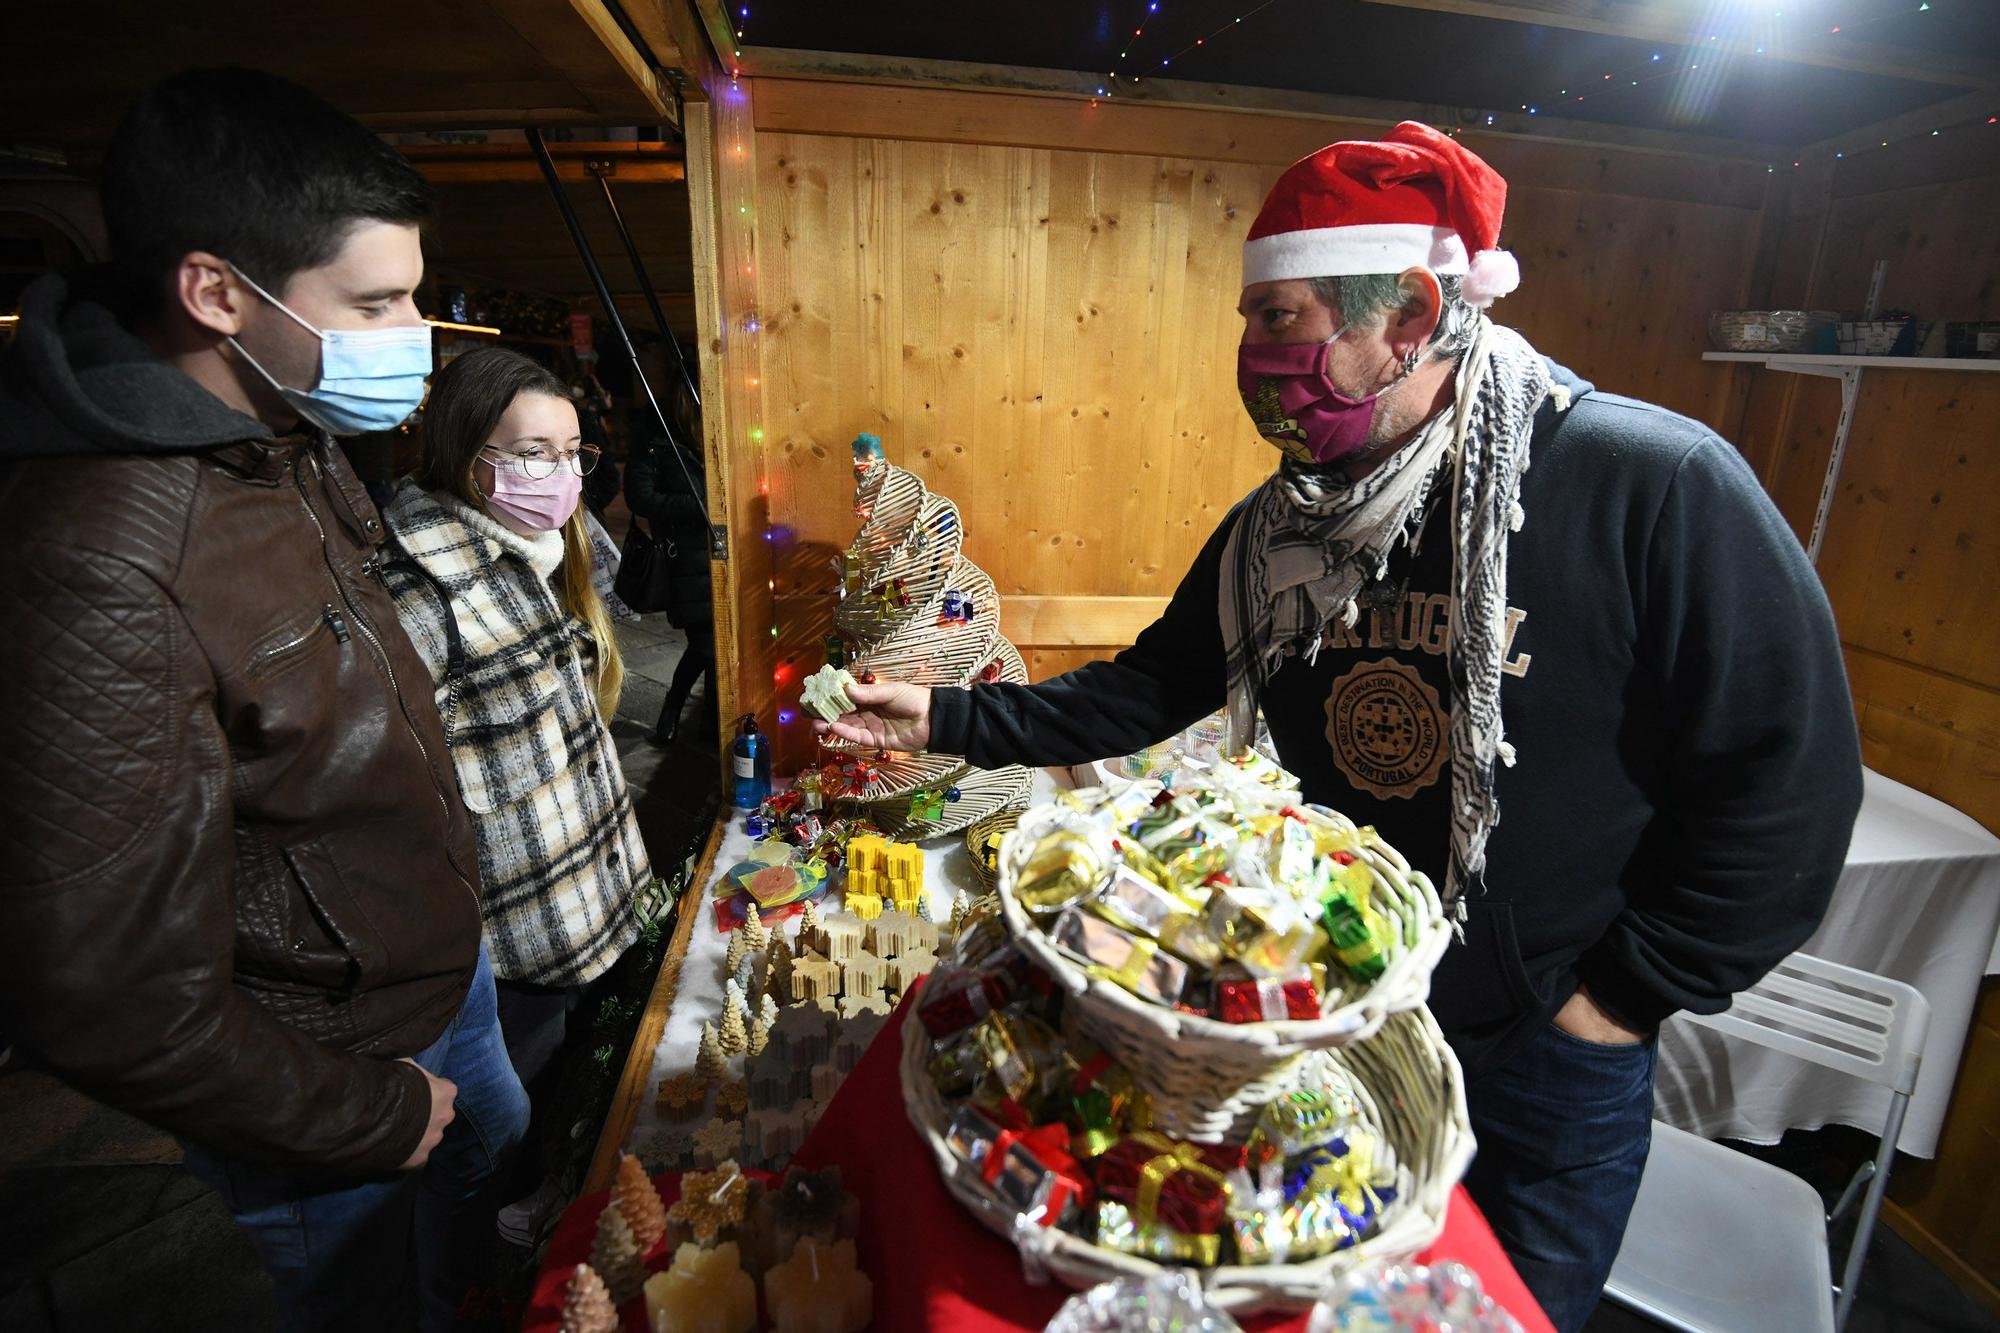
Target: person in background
<point x="239" y="894"/>
<point x="593" y="407"/>
<point x="491" y="574"/>
<point x="1678" y="764"/>
<point x="665" y="486"/>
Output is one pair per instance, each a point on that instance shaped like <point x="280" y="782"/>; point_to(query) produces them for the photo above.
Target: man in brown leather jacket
<point x="238" y="891"/>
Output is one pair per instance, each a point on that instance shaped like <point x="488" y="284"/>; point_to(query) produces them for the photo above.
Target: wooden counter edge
<point x="638" y="1076"/>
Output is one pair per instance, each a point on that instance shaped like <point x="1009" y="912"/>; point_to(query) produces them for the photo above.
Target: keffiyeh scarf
<point x="1310" y="541"/>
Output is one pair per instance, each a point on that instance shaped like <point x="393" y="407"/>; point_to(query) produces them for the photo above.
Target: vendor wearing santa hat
<point x="1621" y="647"/>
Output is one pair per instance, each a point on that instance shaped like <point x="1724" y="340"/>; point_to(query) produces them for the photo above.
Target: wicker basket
<point x="1412" y="1094"/>
<point x="981" y="792"/>
<point x="1000" y="821"/>
<point x="1207" y="1078"/>
<point x="1765" y="330"/>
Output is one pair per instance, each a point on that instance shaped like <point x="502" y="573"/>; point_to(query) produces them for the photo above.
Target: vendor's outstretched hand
<point x="890" y="715"/>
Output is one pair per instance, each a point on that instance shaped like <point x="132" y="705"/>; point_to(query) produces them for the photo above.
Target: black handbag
<point x="645" y="571"/>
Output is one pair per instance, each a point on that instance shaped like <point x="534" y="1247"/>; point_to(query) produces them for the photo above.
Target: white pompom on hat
<point x="1415" y="198"/>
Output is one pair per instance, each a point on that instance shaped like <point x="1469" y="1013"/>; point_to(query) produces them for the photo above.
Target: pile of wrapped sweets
<point x="1059" y="1133"/>
<point x="1225" y="896"/>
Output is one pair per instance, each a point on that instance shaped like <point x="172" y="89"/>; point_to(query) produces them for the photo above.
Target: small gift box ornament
<point x="1100" y="1102"/>
<point x="1029" y="1168"/>
<point x="1356" y="932"/>
<point x="1021" y="1054"/>
<point x="1248" y="999"/>
<point x="1165" y="1183"/>
<point x="927" y="803"/>
<point x="1119" y="1228"/>
<point x="1118" y="955"/>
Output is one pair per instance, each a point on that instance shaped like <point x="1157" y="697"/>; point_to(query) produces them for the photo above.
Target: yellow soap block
<point x="706" y="1291"/>
<point x="819" y="1290"/>
<point x="866" y="852"/>
<point x="905" y="860"/>
<point x="866" y="906"/>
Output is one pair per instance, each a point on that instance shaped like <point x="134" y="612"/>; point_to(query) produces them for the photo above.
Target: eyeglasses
<point x="538" y="465"/>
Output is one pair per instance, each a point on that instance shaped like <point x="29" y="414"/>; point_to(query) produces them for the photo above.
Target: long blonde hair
<point x="467" y="399"/>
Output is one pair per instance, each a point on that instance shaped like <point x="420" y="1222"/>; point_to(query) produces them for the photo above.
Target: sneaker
<point x="525" y="1222"/>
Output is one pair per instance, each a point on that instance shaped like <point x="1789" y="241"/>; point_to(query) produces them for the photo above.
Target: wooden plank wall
<point x="1911" y="561"/>
<point x="1031" y="300"/>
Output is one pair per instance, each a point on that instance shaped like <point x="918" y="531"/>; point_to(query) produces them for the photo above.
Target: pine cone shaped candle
<point x="639" y="1203"/>
<point x="587" y="1306"/>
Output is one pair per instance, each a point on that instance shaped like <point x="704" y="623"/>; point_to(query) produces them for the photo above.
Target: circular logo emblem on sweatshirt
<point x="1387" y="727"/>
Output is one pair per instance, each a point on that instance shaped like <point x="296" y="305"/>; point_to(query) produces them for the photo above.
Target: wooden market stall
<point x="1022" y="277"/>
<point x="1020" y="271"/>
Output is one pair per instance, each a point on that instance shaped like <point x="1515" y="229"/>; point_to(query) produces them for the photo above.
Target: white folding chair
<point x="1720" y="1241"/>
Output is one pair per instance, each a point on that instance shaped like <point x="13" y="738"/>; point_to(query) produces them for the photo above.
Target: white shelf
<point x="1804" y="361"/>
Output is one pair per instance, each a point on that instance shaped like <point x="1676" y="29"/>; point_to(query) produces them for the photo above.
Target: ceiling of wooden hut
<point x="1771" y="71"/>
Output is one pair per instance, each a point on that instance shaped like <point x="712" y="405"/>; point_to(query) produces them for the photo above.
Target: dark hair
<point x="250" y="167"/>
<point x="467" y="399"/>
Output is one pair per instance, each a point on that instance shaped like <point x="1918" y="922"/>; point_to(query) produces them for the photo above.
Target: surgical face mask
<point x="1292" y="401"/>
<point x="369" y="379"/>
<point x="539" y="504"/>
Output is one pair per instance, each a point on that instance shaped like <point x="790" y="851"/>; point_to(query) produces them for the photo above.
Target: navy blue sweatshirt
<point x="1688" y="770"/>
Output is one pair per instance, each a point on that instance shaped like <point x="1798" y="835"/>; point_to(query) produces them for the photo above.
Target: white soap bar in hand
<point x="825" y="694"/>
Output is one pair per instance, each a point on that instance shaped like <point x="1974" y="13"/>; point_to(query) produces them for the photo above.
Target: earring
<point x="1410" y="360"/>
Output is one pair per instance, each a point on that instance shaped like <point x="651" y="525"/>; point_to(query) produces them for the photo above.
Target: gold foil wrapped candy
<point x="1115" y="954"/>
<point x="1139" y="904"/>
<point x="1065" y="866"/>
<point x="1261" y="931"/>
<point x="1021" y="1055"/>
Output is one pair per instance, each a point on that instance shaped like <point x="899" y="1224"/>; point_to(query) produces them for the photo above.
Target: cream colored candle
<point x="706" y="1291"/>
<point x="819" y="1290"/>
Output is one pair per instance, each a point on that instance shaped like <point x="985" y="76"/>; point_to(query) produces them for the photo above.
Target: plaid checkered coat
<point x="559" y="850"/>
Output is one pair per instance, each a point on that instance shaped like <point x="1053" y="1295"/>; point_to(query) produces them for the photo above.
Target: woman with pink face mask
<point x="489" y="563"/>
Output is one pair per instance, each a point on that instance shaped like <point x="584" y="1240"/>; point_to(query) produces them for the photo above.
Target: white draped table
<point x="1919" y="902"/>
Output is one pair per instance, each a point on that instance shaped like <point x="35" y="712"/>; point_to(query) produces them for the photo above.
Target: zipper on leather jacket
<point x="328" y="618"/>
<point x="382" y="653"/>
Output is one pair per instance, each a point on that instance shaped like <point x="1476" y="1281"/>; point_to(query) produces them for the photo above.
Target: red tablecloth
<point x="934" y="1267"/>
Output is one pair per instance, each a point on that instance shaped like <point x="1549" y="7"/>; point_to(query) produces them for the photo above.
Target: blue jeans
<point x="346" y="1254"/>
<point x="1563" y="1131"/>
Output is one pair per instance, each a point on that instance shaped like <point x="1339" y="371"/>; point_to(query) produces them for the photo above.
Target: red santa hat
<point x="1413" y="199"/>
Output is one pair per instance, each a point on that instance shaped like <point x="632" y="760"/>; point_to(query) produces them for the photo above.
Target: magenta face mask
<point x="1295" y="406"/>
<point x="540" y="504"/>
